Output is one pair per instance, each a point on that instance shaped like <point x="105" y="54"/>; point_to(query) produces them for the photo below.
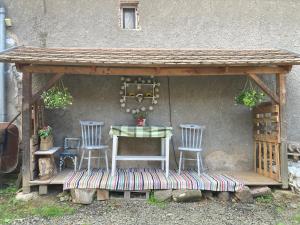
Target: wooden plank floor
<point x="253" y="179"/>
<point x="57" y="179"/>
<point x="249" y="178"/>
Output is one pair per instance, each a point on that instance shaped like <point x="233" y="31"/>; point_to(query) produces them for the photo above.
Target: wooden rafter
<point x="49" y="84"/>
<point x="147" y="71"/>
<point x="264" y="87"/>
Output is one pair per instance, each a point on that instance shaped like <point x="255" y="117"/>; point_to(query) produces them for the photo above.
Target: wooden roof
<point x="147" y="57"/>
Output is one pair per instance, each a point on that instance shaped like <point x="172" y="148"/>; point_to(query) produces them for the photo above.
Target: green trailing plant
<point x="57" y="97"/>
<point x="249" y="97"/>
<point x="45" y="132"/>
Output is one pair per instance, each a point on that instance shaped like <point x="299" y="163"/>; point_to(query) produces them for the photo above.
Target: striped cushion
<point x="151" y="179"/>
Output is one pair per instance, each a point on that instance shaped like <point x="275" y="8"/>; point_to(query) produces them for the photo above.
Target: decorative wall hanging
<point x="139" y="94"/>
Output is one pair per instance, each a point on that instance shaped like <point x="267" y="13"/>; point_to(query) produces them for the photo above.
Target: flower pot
<point x="46" y="143"/>
<point x="141" y="122"/>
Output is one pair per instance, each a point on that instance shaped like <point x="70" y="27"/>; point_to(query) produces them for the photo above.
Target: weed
<point x="12" y="209"/>
<point x="296" y="218"/>
<point x="266" y="199"/>
<point x="52" y="211"/>
<point x="153" y="201"/>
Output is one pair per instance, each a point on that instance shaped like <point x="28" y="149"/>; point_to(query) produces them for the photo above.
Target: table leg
<point x="162" y="152"/>
<point x="114" y="154"/>
<point x="167" y="149"/>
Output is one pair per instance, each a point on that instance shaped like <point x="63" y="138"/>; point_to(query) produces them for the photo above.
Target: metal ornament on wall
<point x="139" y="94"/>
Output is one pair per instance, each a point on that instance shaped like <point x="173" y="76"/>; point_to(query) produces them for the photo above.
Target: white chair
<point x="191" y="141"/>
<point x="91" y="141"/>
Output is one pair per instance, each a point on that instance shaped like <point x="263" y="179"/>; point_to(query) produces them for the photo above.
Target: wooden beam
<point x="26" y="129"/>
<point x="49" y="84"/>
<point x="264" y="87"/>
<point x="281" y="90"/>
<point x="148" y="71"/>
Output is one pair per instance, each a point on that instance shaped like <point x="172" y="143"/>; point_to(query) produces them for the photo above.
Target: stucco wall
<point x="168" y="24"/>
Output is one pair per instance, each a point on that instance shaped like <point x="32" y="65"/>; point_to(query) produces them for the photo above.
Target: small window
<point x="129" y="18"/>
<point x="129" y="15"/>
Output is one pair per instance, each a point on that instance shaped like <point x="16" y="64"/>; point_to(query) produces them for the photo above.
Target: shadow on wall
<point x="201" y="100"/>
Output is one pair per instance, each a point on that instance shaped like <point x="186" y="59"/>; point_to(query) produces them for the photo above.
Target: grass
<point x="296" y="218"/>
<point x="153" y="201"/>
<point x="11" y="209"/>
<point x="265" y="199"/>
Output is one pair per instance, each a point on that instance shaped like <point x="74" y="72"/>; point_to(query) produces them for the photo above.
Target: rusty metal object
<point x="9" y="147"/>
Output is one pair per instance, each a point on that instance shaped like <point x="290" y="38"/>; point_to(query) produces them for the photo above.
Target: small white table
<point x="164" y="133"/>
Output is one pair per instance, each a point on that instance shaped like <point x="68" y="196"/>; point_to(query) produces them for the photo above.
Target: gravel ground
<point x="205" y="212"/>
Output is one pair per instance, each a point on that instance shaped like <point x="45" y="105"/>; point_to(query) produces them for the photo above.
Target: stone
<point x="163" y="195"/>
<point x="187" y="195"/>
<point x="244" y="195"/>
<point x="224" y="196"/>
<point x="83" y="196"/>
<point x="260" y="191"/>
<point x="283" y="195"/>
<point x="102" y="195"/>
<point x="208" y="195"/>
<point x="64" y="196"/>
<point x="293" y="205"/>
<point x="27" y="197"/>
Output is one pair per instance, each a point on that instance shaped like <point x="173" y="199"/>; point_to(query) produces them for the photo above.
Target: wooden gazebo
<point x="269" y="148"/>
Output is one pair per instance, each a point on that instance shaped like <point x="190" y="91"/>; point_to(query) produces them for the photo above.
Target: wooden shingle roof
<point x="148" y="57"/>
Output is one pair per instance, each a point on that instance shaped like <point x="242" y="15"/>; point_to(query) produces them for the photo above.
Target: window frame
<point x="136" y="22"/>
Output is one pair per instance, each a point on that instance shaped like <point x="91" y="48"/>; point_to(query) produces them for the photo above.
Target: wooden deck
<point x="253" y="179"/>
<point x="249" y="178"/>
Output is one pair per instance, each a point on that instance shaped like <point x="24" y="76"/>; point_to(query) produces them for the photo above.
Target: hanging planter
<point x="249" y="96"/>
<point x="57" y="97"/>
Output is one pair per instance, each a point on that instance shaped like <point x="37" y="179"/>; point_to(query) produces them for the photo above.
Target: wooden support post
<point x="43" y="189"/>
<point x="26" y="129"/>
<point x="281" y="90"/>
<point x="264" y="87"/>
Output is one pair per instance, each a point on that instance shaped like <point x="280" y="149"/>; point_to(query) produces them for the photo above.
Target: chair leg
<point x="61" y="163"/>
<point x="201" y="162"/>
<point x="75" y="163"/>
<point x="89" y="162"/>
<point x="82" y="157"/>
<point x="180" y="161"/>
<point x="198" y="162"/>
<point x="98" y="166"/>
<point x="106" y="160"/>
<point x="183" y="162"/>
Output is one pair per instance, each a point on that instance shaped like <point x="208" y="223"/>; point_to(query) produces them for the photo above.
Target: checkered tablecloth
<point x="141" y="132"/>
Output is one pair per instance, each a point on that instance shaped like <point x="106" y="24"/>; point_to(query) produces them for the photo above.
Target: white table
<point x="164" y="133"/>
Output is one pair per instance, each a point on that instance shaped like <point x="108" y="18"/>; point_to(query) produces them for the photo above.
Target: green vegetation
<point x="296" y="218"/>
<point x="249" y="98"/>
<point x="153" y="201"/>
<point x="265" y="199"/>
<point x="12" y="209"/>
<point x="57" y="97"/>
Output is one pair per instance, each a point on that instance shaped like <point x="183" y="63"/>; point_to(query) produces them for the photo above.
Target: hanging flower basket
<point x="57" y="97"/>
<point x="249" y="96"/>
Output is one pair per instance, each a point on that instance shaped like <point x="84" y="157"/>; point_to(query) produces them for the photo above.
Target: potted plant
<point x="57" y="97"/>
<point x="249" y="98"/>
<point x="46" y="138"/>
<point x="140" y="118"/>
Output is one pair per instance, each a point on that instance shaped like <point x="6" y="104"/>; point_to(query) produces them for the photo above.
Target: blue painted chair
<point x="191" y="141"/>
<point x="71" y="150"/>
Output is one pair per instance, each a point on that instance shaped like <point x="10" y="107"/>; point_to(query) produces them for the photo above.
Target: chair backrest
<point x="71" y="143"/>
<point x="91" y="133"/>
<point x="191" y="136"/>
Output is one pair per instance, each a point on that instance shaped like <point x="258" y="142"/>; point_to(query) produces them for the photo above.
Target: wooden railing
<point x="266" y="125"/>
